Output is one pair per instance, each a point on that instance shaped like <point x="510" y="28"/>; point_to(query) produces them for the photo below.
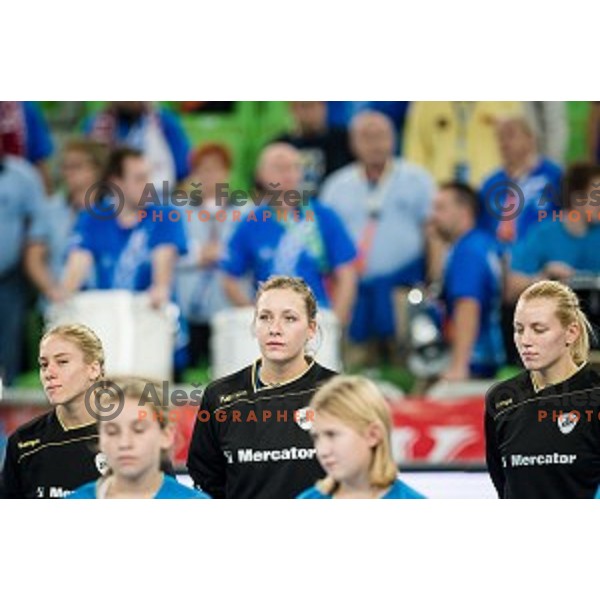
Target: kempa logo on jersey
<point x="28" y="444"/>
<point x="535" y="460"/>
<point x="251" y="455"/>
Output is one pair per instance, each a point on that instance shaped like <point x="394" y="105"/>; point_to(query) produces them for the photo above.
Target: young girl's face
<point x="133" y="442"/>
<point x="344" y="453"/>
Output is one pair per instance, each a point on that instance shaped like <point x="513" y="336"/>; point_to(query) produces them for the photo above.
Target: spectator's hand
<point x="209" y="254"/>
<point x="57" y="294"/>
<point x="455" y="374"/>
<point x="558" y="270"/>
<point x="159" y="296"/>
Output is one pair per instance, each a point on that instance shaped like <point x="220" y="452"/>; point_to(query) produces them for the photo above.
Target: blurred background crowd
<point x="426" y="219"/>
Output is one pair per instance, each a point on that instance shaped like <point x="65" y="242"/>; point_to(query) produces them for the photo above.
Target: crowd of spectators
<point x="361" y="199"/>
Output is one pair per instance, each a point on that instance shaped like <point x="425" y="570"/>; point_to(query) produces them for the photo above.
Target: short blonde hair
<point x="568" y="311"/>
<point x="357" y="402"/>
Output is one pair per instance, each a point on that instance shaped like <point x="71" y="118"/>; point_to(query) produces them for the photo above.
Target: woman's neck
<point x="554" y="374"/>
<point x="146" y="486"/>
<point x="278" y="373"/>
<point x="74" y="414"/>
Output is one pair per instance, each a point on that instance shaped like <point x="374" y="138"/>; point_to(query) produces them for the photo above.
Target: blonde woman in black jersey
<point x="53" y="454"/>
<point x="542" y="427"/>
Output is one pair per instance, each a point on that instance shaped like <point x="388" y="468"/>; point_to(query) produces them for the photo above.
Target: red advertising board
<point x="439" y="432"/>
<point x="425" y="430"/>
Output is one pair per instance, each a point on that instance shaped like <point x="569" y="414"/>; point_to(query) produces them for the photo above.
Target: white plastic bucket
<point x="137" y="339"/>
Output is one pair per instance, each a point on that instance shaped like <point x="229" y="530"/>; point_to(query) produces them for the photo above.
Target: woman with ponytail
<point x="543" y="426"/>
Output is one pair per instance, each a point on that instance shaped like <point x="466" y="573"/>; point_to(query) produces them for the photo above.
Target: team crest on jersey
<point x="101" y="463"/>
<point x="304" y="418"/>
<point x="567" y="422"/>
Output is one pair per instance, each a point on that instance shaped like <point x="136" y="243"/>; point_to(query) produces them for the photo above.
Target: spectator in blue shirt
<point x="308" y="241"/>
<point x="537" y="177"/>
<point x="24" y="239"/>
<point x="131" y="245"/>
<point x="471" y="281"/>
<point x="515" y="196"/>
<point x="129" y="250"/>
<point x="567" y="241"/>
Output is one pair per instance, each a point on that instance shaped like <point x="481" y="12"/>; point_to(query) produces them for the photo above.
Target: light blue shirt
<point x="551" y="241"/>
<point x="22" y="211"/>
<point x="200" y="290"/>
<point x="61" y="221"/>
<point x="403" y="197"/>
<point x="170" y="489"/>
<point x="398" y="491"/>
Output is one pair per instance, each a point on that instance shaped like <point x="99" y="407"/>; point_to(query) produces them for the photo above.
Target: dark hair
<point x="577" y="179"/>
<point x="116" y="161"/>
<point x="464" y="195"/>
